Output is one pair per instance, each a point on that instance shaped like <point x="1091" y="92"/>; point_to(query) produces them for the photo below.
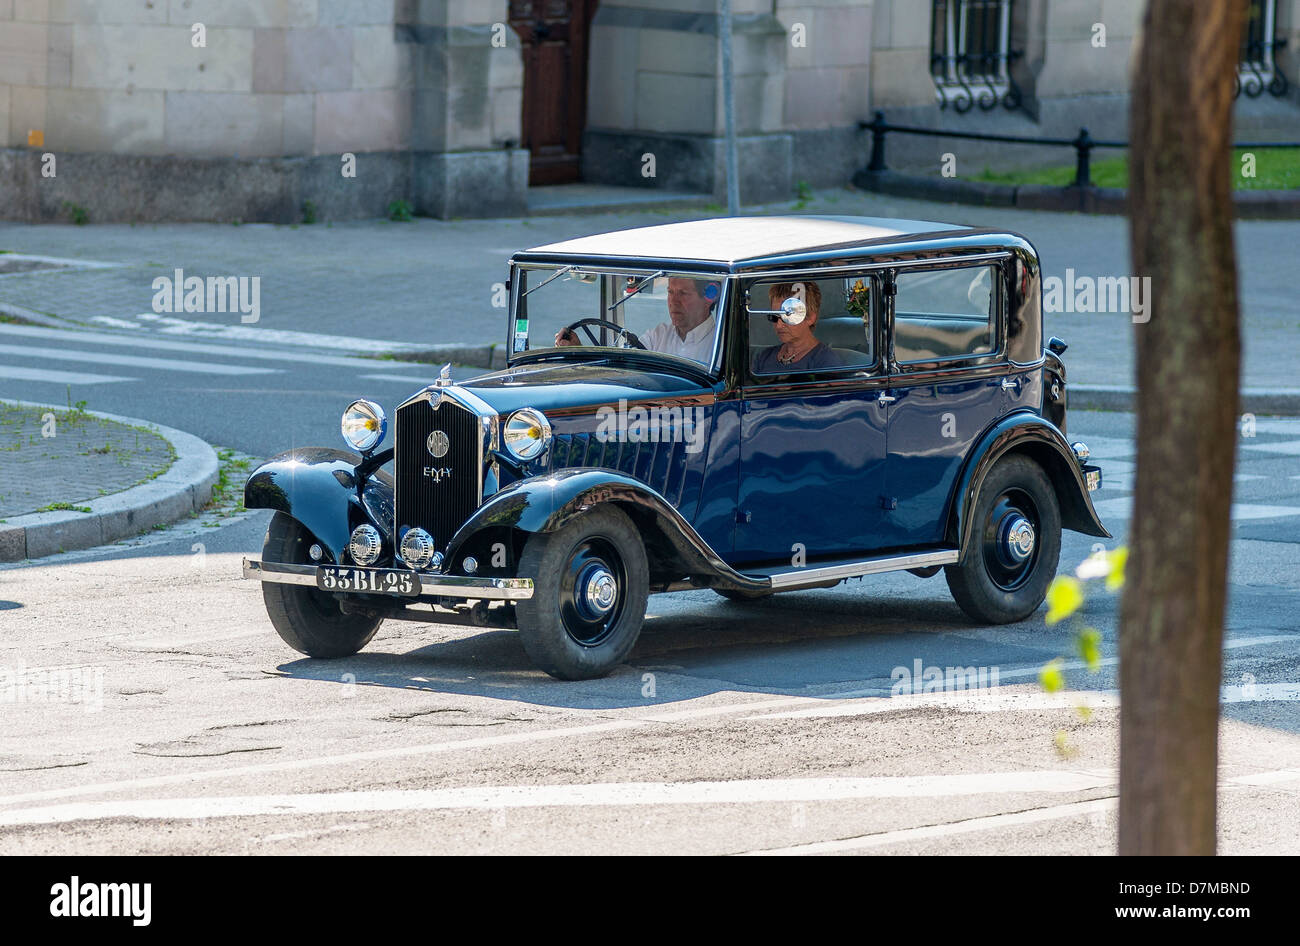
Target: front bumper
<point x="431" y="585"/>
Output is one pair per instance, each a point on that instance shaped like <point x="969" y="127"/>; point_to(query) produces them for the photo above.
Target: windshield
<point x="669" y="314"/>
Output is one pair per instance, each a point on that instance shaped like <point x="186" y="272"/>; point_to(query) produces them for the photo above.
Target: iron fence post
<point x="878" y="128"/>
<point x="1083" y="164"/>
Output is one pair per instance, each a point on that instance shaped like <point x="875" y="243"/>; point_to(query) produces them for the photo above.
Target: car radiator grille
<point x="440" y="506"/>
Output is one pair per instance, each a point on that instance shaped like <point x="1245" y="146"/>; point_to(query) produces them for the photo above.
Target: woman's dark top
<point x="822" y="356"/>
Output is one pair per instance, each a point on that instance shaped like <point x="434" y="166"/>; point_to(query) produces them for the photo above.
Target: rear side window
<point x="945" y="313"/>
<point x="840" y="325"/>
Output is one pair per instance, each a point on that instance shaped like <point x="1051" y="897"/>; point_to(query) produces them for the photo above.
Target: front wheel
<point x="308" y="620"/>
<point x="590" y="584"/>
<point x="1012" y="553"/>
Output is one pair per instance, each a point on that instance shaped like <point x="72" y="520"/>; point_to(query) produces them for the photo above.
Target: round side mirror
<point x="793" y="311"/>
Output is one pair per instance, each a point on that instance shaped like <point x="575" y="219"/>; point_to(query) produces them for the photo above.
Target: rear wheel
<point x="308" y="620"/>
<point x="590" y="584"/>
<point x="1012" y="554"/>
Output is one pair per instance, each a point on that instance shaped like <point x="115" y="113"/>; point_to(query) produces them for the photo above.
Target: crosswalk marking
<point x="131" y="361"/>
<point x="197" y="348"/>
<point x="1122" y="506"/>
<point x="174" y="326"/>
<point x="15" y="373"/>
<point x="405" y="379"/>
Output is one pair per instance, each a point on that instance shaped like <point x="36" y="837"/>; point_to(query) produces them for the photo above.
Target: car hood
<point x="552" y="386"/>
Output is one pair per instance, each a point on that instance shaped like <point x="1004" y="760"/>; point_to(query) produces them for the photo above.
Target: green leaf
<point x="1050" y="678"/>
<point x="1118" y="559"/>
<point x="1089" y="642"/>
<point x="1064" y="596"/>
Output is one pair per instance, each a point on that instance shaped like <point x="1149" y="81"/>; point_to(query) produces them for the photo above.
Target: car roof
<point x="740" y="241"/>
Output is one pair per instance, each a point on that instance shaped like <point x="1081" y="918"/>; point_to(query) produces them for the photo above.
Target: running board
<point x="816" y="575"/>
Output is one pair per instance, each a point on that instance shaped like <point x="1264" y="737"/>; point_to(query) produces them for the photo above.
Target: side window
<point x="837" y="332"/>
<point x="945" y="313"/>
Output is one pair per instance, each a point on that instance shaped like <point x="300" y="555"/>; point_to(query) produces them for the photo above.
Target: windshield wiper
<point x="635" y="289"/>
<point x="556" y="275"/>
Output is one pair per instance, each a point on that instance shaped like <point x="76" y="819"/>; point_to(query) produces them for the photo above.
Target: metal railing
<point x="1082" y="143"/>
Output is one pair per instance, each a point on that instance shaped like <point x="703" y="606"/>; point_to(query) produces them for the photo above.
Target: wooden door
<point x="554" y="38"/>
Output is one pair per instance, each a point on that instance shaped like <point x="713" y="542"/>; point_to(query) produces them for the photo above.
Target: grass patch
<point x="63" y="507"/>
<point x="1275" y="169"/>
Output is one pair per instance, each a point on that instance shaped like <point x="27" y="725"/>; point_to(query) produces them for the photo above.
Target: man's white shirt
<point x="697" y="345"/>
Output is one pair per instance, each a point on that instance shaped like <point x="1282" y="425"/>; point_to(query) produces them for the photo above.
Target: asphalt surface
<point x="733" y="728"/>
<point x="186" y="726"/>
<point x="427" y="282"/>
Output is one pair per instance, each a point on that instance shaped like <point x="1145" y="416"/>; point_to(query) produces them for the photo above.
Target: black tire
<point x="308" y="620"/>
<point x="995" y="584"/>
<point x="564" y="629"/>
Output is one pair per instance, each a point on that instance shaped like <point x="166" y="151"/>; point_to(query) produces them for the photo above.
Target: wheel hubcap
<point x="601" y="589"/>
<point x="1010" y="541"/>
<point x="1018" y="538"/>
<point x="590" y="600"/>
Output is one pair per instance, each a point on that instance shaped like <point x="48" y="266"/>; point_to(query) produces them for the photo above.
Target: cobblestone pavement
<point x="434" y="281"/>
<point x="54" y="457"/>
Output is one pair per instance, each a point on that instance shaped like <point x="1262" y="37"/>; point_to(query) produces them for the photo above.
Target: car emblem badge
<point x="438" y="443"/>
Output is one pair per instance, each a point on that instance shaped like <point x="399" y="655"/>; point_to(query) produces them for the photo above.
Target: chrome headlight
<point x="1080" y="451"/>
<point x="365" y="545"/>
<point x="364" y="425"/>
<point x="418" y="549"/>
<point x="527" y="434"/>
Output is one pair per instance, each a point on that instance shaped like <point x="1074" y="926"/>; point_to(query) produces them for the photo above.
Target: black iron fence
<point x="1082" y="143"/>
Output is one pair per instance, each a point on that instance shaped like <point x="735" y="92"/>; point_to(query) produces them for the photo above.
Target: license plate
<point x="1092" y="476"/>
<point x="387" y="581"/>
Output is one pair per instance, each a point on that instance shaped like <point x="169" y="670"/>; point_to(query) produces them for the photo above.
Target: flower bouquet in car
<point x="858" y="300"/>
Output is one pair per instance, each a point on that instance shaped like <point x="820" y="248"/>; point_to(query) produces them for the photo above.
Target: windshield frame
<point x="638" y="269"/>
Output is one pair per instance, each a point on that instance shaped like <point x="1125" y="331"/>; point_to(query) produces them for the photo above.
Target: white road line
<point x="405" y="379"/>
<point x="198" y="348"/>
<point x="1122" y="507"/>
<point x="174" y="326"/>
<point x="64" y="261"/>
<point x="1001" y="700"/>
<point x="1053" y="813"/>
<point x="740" y="791"/>
<point x="57" y="377"/>
<point x="483" y="742"/>
<point x="132" y="361"/>
<point x="1290" y="447"/>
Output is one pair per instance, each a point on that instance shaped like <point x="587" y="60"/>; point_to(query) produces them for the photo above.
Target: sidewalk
<point x="413" y="286"/>
<point x="72" y="479"/>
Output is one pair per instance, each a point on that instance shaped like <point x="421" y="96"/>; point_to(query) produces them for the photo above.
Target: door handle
<point x="1010" y="384"/>
<point x="884" y="399"/>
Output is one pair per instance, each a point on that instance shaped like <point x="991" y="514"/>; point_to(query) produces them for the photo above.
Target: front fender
<point x="545" y="503"/>
<point x="1045" y="444"/>
<point x="330" y="492"/>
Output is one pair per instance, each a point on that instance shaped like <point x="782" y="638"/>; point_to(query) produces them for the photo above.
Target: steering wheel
<point x="585" y="325"/>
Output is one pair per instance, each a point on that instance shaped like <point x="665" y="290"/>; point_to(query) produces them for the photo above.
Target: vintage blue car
<point x="747" y="404"/>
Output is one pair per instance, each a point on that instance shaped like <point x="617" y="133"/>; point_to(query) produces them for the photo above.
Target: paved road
<point x="213" y="736"/>
<point x="734" y="728"/>
<point x="431" y="282"/>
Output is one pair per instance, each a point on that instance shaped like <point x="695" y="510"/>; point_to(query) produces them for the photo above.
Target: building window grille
<point x="971" y="54"/>
<point x="1258" y="71"/>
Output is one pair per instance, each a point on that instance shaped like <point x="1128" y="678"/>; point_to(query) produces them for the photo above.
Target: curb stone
<point x="185" y="488"/>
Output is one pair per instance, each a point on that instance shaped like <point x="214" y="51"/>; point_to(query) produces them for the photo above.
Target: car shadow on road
<point x="800" y="644"/>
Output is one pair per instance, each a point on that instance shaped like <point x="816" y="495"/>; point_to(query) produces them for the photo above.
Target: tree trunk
<point x="1188" y="362"/>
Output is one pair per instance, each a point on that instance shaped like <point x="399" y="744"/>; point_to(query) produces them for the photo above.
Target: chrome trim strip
<point x="784" y="581"/>
<point x="454" y="586"/>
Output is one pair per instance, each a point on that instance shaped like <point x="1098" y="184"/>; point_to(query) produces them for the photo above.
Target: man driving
<point x="689" y="331"/>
